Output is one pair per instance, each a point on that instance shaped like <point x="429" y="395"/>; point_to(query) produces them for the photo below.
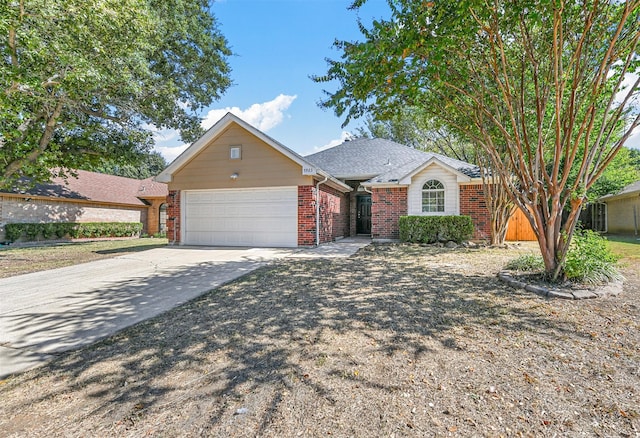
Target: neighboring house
<point x="91" y="197"/>
<point x="236" y="186"/>
<point x="621" y="211"/>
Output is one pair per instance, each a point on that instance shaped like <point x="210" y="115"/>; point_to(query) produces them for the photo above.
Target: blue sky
<point x="278" y="44"/>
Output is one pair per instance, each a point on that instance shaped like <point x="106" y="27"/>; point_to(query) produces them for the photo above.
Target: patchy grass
<point x="626" y="247"/>
<point x="22" y="260"/>
<point x="399" y="340"/>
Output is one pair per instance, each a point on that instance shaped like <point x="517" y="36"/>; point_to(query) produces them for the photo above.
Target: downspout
<point x="326" y="178"/>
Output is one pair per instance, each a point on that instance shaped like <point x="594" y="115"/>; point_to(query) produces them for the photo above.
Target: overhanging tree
<point x="81" y="80"/>
<point x="546" y="88"/>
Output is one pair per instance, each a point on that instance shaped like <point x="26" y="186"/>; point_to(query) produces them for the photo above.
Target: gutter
<point x="326" y="178"/>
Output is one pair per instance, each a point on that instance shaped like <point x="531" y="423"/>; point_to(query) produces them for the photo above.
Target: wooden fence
<point x="519" y="228"/>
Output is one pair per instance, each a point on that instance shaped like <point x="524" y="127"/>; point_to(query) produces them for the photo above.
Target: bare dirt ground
<point x="17" y="260"/>
<point x="399" y="340"/>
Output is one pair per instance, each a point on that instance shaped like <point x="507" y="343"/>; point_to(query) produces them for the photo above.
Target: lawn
<point x="398" y="340"/>
<point x="22" y="260"/>
<point x="627" y="247"/>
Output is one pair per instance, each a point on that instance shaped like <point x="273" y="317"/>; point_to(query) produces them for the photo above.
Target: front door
<point x="363" y="215"/>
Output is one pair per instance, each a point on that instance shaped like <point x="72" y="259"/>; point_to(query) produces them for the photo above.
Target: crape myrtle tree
<point x="418" y="129"/>
<point x="547" y="88"/>
<point x="84" y="80"/>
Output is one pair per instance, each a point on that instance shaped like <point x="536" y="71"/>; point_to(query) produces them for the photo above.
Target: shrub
<point x="31" y="232"/>
<point x="49" y="230"/>
<point x="13" y="232"/>
<point x="589" y="260"/>
<point x="431" y="229"/>
<point x="526" y="263"/>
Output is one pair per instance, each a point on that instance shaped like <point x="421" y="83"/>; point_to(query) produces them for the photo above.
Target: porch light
<point x="234" y="176"/>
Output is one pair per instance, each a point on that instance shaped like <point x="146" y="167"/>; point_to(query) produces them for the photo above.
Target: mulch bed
<point x="398" y="340"/>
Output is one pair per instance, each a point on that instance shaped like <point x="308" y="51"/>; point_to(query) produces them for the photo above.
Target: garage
<point x="263" y="217"/>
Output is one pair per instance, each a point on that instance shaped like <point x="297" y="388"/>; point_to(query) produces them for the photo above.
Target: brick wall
<point x="153" y="216"/>
<point x="387" y="205"/>
<point x="306" y="216"/>
<point x="20" y="210"/>
<point x="173" y="216"/>
<point x="472" y="204"/>
<point x="334" y="214"/>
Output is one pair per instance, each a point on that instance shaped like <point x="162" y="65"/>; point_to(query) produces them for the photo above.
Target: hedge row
<point x="431" y="229"/>
<point x="59" y="230"/>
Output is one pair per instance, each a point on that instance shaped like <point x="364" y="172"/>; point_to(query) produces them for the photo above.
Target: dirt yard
<point x="398" y="340"/>
<point x="16" y="260"/>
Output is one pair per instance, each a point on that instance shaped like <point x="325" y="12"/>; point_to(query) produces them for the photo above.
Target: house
<point x="621" y="211"/>
<point x="236" y="186"/>
<point x="91" y="197"/>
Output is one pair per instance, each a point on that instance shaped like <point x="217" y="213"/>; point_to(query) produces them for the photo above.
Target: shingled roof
<point x="630" y="190"/>
<point x="379" y="160"/>
<point x="98" y="187"/>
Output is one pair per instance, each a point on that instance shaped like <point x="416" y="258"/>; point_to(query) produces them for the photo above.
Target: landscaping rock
<point x="451" y="244"/>
<point x="537" y="289"/>
<point x="559" y="294"/>
<point x="583" y="294"/>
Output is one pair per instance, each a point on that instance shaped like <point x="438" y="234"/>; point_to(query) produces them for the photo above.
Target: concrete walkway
<point x="49" y="312"/>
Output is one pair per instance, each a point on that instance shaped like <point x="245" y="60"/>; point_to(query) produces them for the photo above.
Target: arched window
<point x="432" y="196"/>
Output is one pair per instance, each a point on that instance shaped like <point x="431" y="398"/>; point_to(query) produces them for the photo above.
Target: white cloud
<point x="170" y="153"/>
<point x="263" y="116"/>
<point x="343" y="137"/>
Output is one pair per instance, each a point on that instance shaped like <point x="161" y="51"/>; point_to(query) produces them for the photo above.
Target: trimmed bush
<point x="431" y="229"/>
<point x="32" y="232"/>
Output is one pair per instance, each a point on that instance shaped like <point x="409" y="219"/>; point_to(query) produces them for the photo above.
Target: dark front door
<point x="363" y="215"/>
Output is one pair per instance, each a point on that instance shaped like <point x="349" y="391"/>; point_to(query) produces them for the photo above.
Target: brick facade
<point x="33" y="210"/>
<point x="334" y="214"/>
<point x="472" y="203"/>
<point x="306" y="216"/>
<point x="173" y="216"/>
<point x="387" y="205"/>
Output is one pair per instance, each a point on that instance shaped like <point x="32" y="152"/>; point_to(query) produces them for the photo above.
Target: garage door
<point x="241" y="217"/>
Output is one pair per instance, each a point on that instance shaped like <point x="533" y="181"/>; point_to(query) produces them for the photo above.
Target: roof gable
<point x="384" y="161"/>
<point x="219" y="128"/>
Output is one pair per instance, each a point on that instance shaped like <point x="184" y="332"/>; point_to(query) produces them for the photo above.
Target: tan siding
<point x="260" y="166"/>
<point x="620" y="215"/>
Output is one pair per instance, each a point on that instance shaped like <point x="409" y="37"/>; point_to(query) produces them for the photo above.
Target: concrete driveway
<point x="49" y="312"/>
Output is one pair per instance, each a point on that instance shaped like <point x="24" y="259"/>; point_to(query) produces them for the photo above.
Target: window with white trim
<point x="235" y="152"/>
<point x="432" y="196"/>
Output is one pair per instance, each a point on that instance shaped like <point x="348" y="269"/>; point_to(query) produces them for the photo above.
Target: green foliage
<point x="414" y="127"/>
<point x="545" y="88"/>
<point x="33" y="231"/>
<point x="621" y="172"/>
<point x="82" y="80"/>
<point x="141" y="166"/>
<point x="526" y="263"/>
<point x="589" y="260"/>
<point x="431" y="229"/>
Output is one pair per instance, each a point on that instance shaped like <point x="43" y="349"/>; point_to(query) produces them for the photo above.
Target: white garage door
<point x="241" y="217"/>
